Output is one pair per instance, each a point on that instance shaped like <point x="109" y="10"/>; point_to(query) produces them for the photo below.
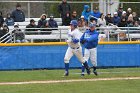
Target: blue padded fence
<point x="33" y="57"/>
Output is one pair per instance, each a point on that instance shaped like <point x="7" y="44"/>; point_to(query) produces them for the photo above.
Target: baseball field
<point x="111" y="80"/>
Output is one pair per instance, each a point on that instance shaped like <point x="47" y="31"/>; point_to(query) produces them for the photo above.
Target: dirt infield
<point x="64" y="81"/>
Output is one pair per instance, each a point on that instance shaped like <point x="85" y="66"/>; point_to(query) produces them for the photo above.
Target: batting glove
<point x="75" y="41"/>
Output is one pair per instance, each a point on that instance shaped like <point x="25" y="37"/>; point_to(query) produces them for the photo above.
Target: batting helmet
<point x="92" y="25"/>
<point x="74" y="23"/>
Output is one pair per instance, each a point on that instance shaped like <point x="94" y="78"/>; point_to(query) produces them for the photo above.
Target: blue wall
<point x="29" y="57"/>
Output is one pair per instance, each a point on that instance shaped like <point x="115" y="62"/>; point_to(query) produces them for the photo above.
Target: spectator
<point x="67" y="19"/>
<point x="130" y="21"/>
<point x="124" y="15"/>
<point x="135" y="17"/>
<point x="18" y="15"/>
<point x="42" y="20"/>
<point x="116" y="18"/>
<point x="120" y="10"/>
<point x="31" y="25"/>
<point x="86" y="12"/>
<point x="63" y="9"/>
<point x="82" y="22"/>
<point x="52" y="22"/>
<point x="136" y="24"/>
<point x="123" y="22"/>
<point x="101" y="22"/>
<point x="46" y="31"/>
<point x="19" y="35"/>
<point x="4" y="30"/>
<point x="129" y="11"/>
<point x="108" y="19"/>
<point x="96" y="13"/>
<point x="93" y="20"/>
<point x="9" y="20"/>
<point x="74" y="15"/>
<point x="1" y="20"/>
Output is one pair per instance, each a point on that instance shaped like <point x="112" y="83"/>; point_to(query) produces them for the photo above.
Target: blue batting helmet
<point x="92" y="25"/>
<point x="74" y="23"/>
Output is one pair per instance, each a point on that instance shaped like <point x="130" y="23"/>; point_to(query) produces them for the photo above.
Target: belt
<point x="74" y="48"/>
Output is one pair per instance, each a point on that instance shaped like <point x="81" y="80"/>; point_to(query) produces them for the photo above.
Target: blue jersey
<point x="91" y="39"/>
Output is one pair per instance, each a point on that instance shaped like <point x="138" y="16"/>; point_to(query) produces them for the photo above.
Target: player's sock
<point x="83" y="70"/>
<point x="87" y="67"/>
<point x="66" y="69"/>
<point x="94" y="70"/>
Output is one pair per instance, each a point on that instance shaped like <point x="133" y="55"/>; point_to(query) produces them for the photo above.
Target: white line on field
<point x="65" y="81"/>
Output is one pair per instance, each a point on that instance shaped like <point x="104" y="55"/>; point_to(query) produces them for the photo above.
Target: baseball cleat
<point x="82" y="74"/>
<point x="66" y="74"/>
<point x="95" y="73"/>
<point x="88" y="71"/>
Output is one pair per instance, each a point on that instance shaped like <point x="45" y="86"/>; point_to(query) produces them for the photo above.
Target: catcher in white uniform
<point x="74" y="47"/>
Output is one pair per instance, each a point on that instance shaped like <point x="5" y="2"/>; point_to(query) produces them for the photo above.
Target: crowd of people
<point x="18" y="16"/>
<point x="120" y="18"/>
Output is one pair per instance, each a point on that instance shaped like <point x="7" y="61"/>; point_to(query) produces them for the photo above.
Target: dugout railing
<point x="60" y="34"/>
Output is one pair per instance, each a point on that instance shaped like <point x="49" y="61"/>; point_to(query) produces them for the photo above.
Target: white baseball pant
<point x="77" y="52"/>
<point x="92" y="54"/>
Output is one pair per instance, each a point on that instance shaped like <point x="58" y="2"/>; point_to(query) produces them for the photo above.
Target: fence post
<point x="60" y="35"/>
<point x="29" y="15"/>
<point x="128" y="32"/>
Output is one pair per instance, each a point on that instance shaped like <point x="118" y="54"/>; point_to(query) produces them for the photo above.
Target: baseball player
<point x="74" y="47"/>
<point x="90" y="41"/>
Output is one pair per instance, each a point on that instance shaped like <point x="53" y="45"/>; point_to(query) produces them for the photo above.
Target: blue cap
<point x="92" y="25"/>
<point x="74" y="22"/>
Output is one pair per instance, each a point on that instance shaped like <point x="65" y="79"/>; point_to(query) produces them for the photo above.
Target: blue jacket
<point x="18" y="15"/>
<point x="86" y="13"/>
<point x="91" y="39"/>
<point x="52" y="24"/>
<point x="116" y="20"/>
<point x="9" y="21"/>
<point x="96" y="14"/>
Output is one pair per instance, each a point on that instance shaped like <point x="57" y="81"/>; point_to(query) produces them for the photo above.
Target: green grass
<point x="11" y="76"/>
<point x="119" y="86"/>
<point x="113" y="86"/>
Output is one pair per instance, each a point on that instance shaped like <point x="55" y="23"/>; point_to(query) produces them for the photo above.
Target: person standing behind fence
<point x="96" y="13"/>
<point x="120" y="10"/>
<point x="67" y="19"/>
<point x="18" y="15"/>
<point x="63" y="9"/>
<point x="86" y="12"/>
<point x="90" y="41"/>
